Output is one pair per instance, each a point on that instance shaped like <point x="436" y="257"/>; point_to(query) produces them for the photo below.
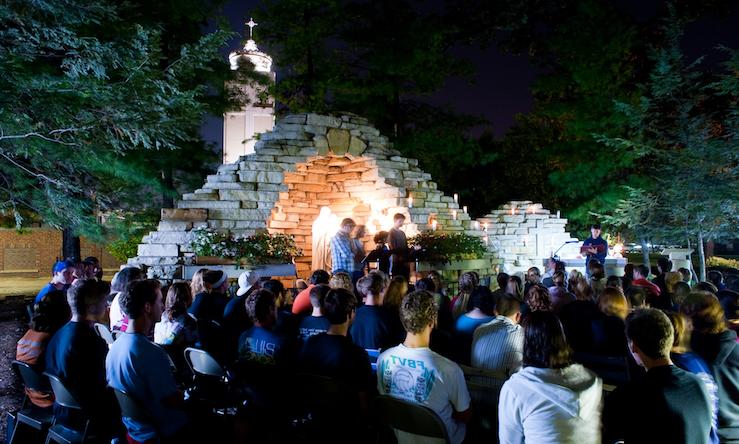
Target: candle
<point x="433" y="225"/>
<point x="456" y="197"/>
<point x="464" y="208"/>
<point x="454" y="214"/>
<point x="485" y="226"/>
<point x="525" y="240"/>
<point x="410" y="201"/>
<point x="557" y="214"/>
<point x="513" y="211"/>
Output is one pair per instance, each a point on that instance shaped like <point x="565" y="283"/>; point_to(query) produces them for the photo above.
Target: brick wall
<point x="32" y="253"/>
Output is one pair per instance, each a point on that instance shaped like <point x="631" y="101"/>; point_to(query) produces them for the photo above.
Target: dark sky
<point x="500" y="88"/>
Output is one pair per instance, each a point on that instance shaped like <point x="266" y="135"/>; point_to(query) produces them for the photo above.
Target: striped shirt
<point x="498" y="346"/>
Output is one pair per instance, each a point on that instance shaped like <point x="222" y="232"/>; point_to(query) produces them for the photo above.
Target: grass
<point x="26" y="287"/>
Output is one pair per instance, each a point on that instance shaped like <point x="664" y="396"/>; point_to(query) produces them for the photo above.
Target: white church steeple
<point x="240" y="127"/>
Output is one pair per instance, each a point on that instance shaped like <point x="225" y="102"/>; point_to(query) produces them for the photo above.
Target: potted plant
<point x="212" y="247"/>
<point x="449" y="250"/>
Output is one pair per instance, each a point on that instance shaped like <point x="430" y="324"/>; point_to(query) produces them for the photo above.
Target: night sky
<point x="500" y="89"/>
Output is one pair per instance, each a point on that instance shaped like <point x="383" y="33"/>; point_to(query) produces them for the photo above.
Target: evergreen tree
<point x="81" y="91"/>
<point x="685" y="129"/>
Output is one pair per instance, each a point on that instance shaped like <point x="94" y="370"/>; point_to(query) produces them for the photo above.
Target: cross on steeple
<point x="251" y="24"/>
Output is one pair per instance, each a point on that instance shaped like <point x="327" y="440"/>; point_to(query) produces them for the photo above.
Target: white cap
<point x="246" y="280"/>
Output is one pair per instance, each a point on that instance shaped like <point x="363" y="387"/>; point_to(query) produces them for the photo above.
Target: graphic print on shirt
<point x="258" y="350"/>
<point x="407" y="378"/>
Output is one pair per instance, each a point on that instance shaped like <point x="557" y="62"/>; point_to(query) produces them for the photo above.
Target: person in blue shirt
<point x="595" y="247"/>
<point x="61" y="279"/>
<point x="140" y="368"/>
<point x="260" y="344"/>
<point x="482" y="311"/>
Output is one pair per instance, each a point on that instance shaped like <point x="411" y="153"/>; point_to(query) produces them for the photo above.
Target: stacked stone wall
<point x="308" y="162"/>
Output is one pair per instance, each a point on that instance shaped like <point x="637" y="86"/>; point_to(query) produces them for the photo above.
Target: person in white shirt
<point x="551" y="400"/>
<point x="119" y="284"/>
<point x="411" y="371"/>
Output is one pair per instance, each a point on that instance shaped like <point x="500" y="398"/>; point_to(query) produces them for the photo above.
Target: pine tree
<point x="82" y="91"/>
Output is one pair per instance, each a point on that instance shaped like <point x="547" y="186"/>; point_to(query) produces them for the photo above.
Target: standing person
<point x="668" y="404"/>
<point x="61" y="279"/>
<point x="412" y="372"/>
<point x="140" y="368"/>
<point x="359" y="255"/>
<point x="594" y="247"/>
<point x="381" y="253"/>
<point x="552" y="399"/>
<point x="344" y="248"/>
<point x="398" y="244"/>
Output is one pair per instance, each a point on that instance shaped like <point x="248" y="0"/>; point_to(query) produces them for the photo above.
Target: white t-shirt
<point x="422" y="376"/>
<point x="116" y="314"/>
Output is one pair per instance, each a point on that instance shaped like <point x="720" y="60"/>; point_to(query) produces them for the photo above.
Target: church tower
<point x="241" y="127"/>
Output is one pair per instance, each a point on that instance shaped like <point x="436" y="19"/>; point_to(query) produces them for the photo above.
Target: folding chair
<point x="373" y="354"/>
<point x="211" y="381"/>
<point x="65" y="398"/>
<point x="132" y="408"/>
<point x="103" y="331"/>
<point x="409" y="417"/>
<point x="614" y="370"/>
<point x="30" y="415"/>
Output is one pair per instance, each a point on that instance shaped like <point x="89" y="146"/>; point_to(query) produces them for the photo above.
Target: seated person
<point x="177" y="328"/>
<point x="373" y="326"/>
<point x="482" y="310"/>
<point x="333" y="354"/>
<point x="49" y="315"/>
<point x="498" y="345"/>
<point x="537" y="299"/>
<point x="608" y="329"/>
<point x="414" y="373"/>
<point x="76" y="354"/>
<point x="302" y="304"/>
<point x="61" y="279"/>
<point x="235" y="318"/>
<point x="140" y="368"/>
<point x="552" y="399"/>
<point x="316" y="322"/>
<point x="259" y="344"/>
<point x="287" y="323"/>
<point x="668" y="404"/>
<point x="558" y="293"/>
<point x="118" y="321"/>
<point x="714" y="342"/>
<point x="445" y="321"/>
<point x="210" y="304"/>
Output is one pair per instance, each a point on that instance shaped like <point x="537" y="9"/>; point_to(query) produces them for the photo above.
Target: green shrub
<point x="446" y="247"/>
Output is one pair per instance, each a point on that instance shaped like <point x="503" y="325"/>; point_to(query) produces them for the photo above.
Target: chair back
<point x="409" y="417"/>
<point x="131" y="407"/>
<point x="202" y="363"/>
<point x="373" y="354"/>
<point x="31" y="378"/>
<point x="103" y="331"/>
<point x="483" y="379"/>
<point x="62" y="395"/>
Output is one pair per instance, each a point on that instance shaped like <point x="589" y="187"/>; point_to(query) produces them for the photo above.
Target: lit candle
<point x="513" y="211"/>
<point x="485" y="226"/>
<point x="531" y="209"/>
<point x="464" y="208"/>
<point x="456" y="197"/>
<point x="525" y="240"/>
<point x="454" y="214"/>
<point x="410" y="201"/>
<point x="433" y="225"/>
<point x="557" y="214"/>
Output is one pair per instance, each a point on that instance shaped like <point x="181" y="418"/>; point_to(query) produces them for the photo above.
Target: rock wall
<point x="311" y="161"/>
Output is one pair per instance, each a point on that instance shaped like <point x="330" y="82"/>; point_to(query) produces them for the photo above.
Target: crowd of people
<point x="559" y="356"/>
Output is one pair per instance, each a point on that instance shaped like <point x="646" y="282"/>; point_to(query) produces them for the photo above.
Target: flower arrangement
<point x="261" y="248"/>
<point x="446" y="247"/>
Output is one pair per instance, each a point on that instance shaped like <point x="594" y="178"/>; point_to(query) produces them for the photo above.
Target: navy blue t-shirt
<point x="76" y="354"/>
<point x="209" y="306"/>
<point x="259" y="345"/>
<point x="337" y="357"/>
<point x="311" y="326"/>
<point x="374" y="327"/>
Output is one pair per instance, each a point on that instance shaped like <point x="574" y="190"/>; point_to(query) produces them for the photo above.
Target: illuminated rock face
<point x="307" y="163"/>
